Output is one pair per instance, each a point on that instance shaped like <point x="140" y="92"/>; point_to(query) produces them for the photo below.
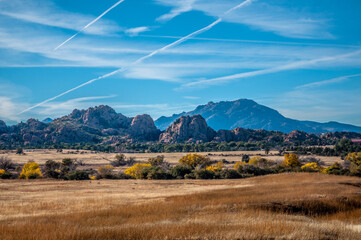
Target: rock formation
<point x="188" y="129"/>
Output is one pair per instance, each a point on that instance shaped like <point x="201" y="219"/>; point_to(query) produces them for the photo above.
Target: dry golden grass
<point x="283" y="206"/>
<point x="95" y="160"/>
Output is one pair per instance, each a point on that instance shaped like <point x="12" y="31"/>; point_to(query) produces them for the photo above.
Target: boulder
<point x="143" y="128"/>
<point x="188" y="129"/>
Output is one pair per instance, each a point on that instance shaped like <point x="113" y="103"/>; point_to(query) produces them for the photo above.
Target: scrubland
<point x="96" y="159"/>
<point x="280" y="206"/>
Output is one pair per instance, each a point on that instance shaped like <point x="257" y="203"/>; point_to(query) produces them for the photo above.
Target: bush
<point x="335" y="169"/>
<point x="204" y="174"/>
<point x="217" y="167"/>
<point x="123" y="176"/>
<point x="77" y="175"/>
<point x="156" y="161"/>
<point x="154" y="172"/>
<point x="258" y="161"/>
<point x="30" y="170"/>
<point x="253" y="170"/>
<point x="193" y="160"/>
<point x="136" y="170"/>
<point x="52" y="169"/>
<point x="67" y="165"/>
<point x="291" y="160"/>
<point x="121" y="160"/>
<point x="354" y="158"/>
<point x="20" y="151"/>
<point x="6" y="163"/>
<point x="238" y="165"/>
<point x="355" y="170"/>
<point x="311" y="159"/>
<point x="245" y="158"/>
<point x="106" y="171"/>
<point x="5" y="174"/>
<point x="229" y="174"/>
<point x="311" y="167"/>
<point x="180" y="171"/>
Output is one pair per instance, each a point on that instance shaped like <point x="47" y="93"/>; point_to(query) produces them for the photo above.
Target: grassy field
<point x="94" y="160"/>
<point x="282" y="206"/>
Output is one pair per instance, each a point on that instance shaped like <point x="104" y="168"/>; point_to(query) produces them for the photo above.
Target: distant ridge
<point x="248" y="114"/>
<point x="101" y="125"/>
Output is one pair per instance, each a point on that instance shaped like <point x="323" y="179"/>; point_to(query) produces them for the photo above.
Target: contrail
<point x="289" y="66"/>
<point x="142" y="58"/>
<point x="89" y="24"/>
<point x="326" y="82"/>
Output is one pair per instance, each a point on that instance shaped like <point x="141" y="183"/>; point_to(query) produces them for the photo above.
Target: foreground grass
<point x="283" y="206"/>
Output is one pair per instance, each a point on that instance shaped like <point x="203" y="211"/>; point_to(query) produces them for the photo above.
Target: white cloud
<point x="327" y="82"/>
<point x="261" y="15"/>
<point x="46" y="13"/>
<point x="61" y="108"/>
<point x="179" y="7"/>
<point x="285" y="67"/>
<point x="9" y="108"/>
<point x="89" y="24"/>
<point x="136" y="31"/>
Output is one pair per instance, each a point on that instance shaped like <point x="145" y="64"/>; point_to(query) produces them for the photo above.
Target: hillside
<point x="102" y="125"/>
<point x="248" y="114"/>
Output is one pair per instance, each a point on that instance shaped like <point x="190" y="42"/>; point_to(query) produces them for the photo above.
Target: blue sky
<point x="302" y="58"/>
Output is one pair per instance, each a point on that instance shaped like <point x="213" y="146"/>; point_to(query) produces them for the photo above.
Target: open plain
<point x="96" y="159"/>
<point x="282" y="206"/>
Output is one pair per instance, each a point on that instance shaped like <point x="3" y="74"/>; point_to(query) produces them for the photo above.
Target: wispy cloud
<point x="327" y="82"/>
<point x="136" y="31"/>
<point x="139" y="60"/>
<point x="59" y="108"/>
<point x="50" y="15"/>
<point x="290" y="66"/>
<point x="265" y="16"/>
<point x="89" y="24"/>
<point x="179" y="8"/>
<point x="257" y="41"/>
<point x="8" y="108"/>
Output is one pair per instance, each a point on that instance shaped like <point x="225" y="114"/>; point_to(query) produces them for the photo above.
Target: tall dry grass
<point x="284" y="206"/>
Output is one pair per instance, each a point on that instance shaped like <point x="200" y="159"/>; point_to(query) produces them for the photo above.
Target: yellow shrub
<point x="136" y="170"/>
<point x="217" y="166"/>
<point x="291" y="160"/>
<point x="2" y="172"/>
<point x="311" y="167"/>
<point x="238" y="164"/>
<point x="194" y="160"/>
<point x="258" y="161"/>
<point x="354" y="158"/>
<point x="30" y="170"/>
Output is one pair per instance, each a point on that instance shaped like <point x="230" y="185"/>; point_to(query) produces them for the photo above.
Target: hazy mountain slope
<point x="249" y="114"/>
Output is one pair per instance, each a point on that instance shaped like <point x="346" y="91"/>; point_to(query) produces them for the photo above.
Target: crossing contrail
<point x="89" y="24"/>
<point x="140" y="60"/>
<point x="290" y="66"/>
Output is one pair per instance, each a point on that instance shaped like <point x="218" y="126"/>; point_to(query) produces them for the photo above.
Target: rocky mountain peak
<point x="143" y="126"/>
<point x="188" y="129"/>
<point x="101" y="117"/>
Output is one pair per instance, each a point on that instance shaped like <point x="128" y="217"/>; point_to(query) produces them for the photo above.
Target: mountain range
<point x="248" y="114"/>
<point x="214" y="122"/>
